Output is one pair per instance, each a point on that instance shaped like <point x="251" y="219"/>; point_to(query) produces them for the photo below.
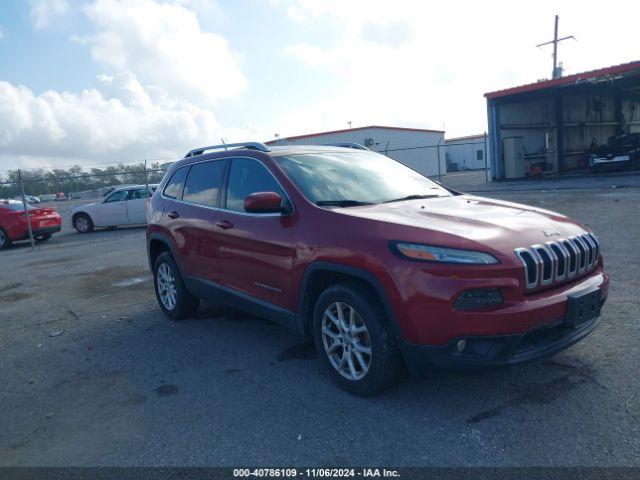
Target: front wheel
<point x="174" y="299"/>
<point x="355" y="340"/>
<point x="83" y="223"/>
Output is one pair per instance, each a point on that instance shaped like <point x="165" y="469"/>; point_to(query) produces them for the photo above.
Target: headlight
<point x="429" y="253"/>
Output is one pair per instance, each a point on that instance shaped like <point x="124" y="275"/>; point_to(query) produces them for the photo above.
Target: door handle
<point x="224" y="224"/>
<point x="173" y="214"/>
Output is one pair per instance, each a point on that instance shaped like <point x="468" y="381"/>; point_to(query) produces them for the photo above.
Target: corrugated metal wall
<point x="586" y="117"/>
<point x="415" y="149"/>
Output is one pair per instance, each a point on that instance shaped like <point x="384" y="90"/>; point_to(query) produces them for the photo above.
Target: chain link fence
<point x="442" y="157"/>
<point x="38" y="186"/>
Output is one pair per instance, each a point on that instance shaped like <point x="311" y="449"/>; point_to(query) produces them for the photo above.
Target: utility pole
<point x="26" y="210"/>
<point x="557" y="71"/>
<point x="146" y="178"/>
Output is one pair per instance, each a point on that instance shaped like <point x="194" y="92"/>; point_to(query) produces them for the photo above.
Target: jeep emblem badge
<point x="551" y="233"/>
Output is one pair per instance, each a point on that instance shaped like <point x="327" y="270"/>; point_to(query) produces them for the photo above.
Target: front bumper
<point x="497" y="350"/>
<point x="594" y="161"/>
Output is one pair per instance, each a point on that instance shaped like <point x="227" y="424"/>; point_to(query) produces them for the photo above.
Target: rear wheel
<point x="5" y="241"/>
<point x="174" y="299"/>
<point x="354" y="338"/>
<point x="83" y="223"/>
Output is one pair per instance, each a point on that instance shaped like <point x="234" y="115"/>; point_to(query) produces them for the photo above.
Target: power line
<point x="557" y="72"/>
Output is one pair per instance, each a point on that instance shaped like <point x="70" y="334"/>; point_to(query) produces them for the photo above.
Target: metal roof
<point x="308" y="135"/>
<point x="283" y="150"/>
<point x="131" y="187"/>
<point x="576" y="78"/>
<point x="467" y="137"/>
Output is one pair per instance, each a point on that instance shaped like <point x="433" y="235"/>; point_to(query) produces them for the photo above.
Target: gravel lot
<point x="122" y="385"/>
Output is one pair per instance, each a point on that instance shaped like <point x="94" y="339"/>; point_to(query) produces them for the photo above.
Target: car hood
<point x="494" y="223"/>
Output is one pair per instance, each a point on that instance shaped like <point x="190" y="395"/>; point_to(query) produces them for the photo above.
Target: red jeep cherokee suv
<point x="382" y="266"/>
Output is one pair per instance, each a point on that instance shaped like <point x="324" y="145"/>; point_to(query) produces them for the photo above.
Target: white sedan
<point x="123" y="206"/>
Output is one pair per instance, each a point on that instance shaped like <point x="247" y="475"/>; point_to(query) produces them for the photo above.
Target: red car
<point x="13" y="222"/>
<point x="381" y="266"/>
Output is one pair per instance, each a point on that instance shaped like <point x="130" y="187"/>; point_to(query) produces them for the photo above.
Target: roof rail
<point x="226" y="146"/>
<point x="357" y="146"/>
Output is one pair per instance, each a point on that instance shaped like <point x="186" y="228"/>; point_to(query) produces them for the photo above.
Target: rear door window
<point x="204" y="183"/>
<point x="174" y="185"/>
<point x="118" y="196"/>
<point x="247" y="176"/>
<point x="138" y="193"/>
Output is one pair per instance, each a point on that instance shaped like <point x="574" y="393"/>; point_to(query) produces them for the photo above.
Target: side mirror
<point x="263" y="202"/>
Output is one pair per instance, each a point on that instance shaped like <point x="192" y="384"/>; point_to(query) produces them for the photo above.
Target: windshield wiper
<point x="411" y="197"/>
<point x="342" y="203"/>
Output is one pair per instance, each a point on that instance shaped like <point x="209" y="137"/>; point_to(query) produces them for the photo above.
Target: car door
<point x="255" y="250"/>
<point x="137" y="206"/>
<point x="199" y="212"/>
<point x="112" y="211"/>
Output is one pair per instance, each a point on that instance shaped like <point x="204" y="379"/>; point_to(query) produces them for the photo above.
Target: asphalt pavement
<point x="92" y="374"/>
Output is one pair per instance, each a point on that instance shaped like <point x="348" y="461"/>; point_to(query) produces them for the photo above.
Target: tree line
<point x="39" y="181"/>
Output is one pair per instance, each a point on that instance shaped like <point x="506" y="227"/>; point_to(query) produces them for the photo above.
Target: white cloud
<point x="164" y="45"/>
<point x="3" y="33"/>
<point x="163" y="73"/>
<point x="45" y="12"/>
<point x="119" y="120"/>
<point x="411" y="62"/>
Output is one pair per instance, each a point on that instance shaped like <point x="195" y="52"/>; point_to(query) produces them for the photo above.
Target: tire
<point x="43" y="237"/>
<point x="165" y="275"/>
<point x="83" y="223"/>
<point x="383" y="363"/>
<point x="5" y="241"/>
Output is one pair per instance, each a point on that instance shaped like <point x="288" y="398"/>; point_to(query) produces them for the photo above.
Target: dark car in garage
<point x="620" y="152"/>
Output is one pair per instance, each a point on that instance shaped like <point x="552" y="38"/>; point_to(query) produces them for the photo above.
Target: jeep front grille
<point x="558" y="260"/>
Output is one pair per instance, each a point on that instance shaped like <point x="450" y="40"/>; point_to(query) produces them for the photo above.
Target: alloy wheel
<point x="166" y="284"/>
<point x="3" y="239"/>
<point x="82" y="224"/>
<point x="346" y="341"/>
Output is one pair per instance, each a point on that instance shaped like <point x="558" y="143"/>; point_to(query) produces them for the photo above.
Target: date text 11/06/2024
<point x="315" y="472"/>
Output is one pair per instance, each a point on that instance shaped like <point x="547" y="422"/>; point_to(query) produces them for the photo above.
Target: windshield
<point x="356" y="178"/>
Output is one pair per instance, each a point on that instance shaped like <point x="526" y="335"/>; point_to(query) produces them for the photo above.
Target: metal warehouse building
<point x="550" y="125"/>
<point x="466" y="153"/>
<point x="422" y="150"/>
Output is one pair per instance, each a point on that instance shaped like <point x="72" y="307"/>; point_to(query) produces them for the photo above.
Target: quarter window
<point x="174" y="185"/>
<point x="204" y="182"/>
<point x="247" y="176"/>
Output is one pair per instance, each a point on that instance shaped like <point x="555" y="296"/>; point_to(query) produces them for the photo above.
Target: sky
<point x="93" y="82"/>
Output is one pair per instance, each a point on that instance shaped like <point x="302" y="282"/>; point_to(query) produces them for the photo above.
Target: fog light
<point x="478" y="298"/>
<point x="461" y="345"/>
